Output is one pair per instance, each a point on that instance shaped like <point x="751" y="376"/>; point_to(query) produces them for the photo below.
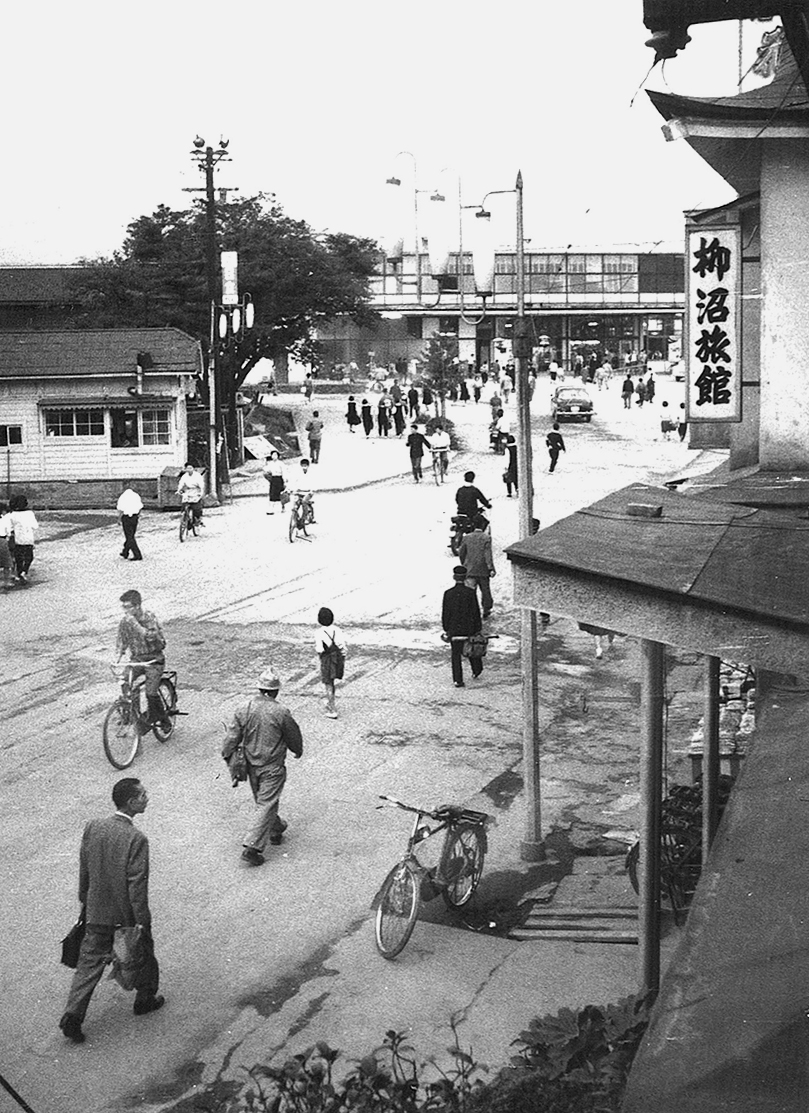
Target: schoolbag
<point x="332" y="651"/>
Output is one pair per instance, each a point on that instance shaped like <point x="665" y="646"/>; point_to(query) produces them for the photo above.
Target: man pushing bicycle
<point x="140" y="635"/>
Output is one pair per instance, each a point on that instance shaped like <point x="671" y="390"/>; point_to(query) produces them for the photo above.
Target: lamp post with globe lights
<point x="532" y="848"/>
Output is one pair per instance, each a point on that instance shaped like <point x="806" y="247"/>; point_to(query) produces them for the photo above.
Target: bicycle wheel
<point x="121" y="735"/>
<point x="398" y="910"/>
<point x="168" y="697"/>
<point x="183" y="524"/>
<point x="462" y="865"/>
<point x="436" y="470"/>
<point x="293" y="525"/>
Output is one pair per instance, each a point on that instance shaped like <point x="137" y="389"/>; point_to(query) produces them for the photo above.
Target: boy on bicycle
<point x="439" y="443"/>
<point x="191" y="489"/>
<point x="140" y="636"/>
<point x="304" y="488"/>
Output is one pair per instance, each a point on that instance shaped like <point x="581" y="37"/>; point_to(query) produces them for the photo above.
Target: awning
<point x="127" y="401"/>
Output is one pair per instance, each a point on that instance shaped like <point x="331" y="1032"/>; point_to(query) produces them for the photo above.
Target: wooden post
<point x="710" y="757"/>
<point x="651" y="774"/>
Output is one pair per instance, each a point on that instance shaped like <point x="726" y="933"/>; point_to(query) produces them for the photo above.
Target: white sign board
<point x="712" y="352"/>
<point x="230" y="277"/>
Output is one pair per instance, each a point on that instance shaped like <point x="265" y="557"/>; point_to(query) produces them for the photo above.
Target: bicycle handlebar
<point x="122" y="666"/>
<point x="443" y="812"/>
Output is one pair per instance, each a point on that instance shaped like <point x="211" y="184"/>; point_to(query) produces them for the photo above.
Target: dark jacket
<point x="114" y="872"/>
<point x="467" y="499"/>
<point x="416" y="442"/>
<point x="460" y="613"/>
<point x="555" y="442"/>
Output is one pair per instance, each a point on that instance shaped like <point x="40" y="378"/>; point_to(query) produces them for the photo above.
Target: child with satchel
<point x="331" y="652"/>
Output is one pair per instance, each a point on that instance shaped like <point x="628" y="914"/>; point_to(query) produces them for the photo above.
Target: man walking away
<point x="113" y="892"/>
<point x="265" y="730"/>
<point x="460" y="617"/>
<point x="555" y="443"/>
<point x="413" y="401"/>
<point x="314" y="427"/>
<point x="476" y="553"/>
<point x="129" y="507"/>
<point x="627" y="390"/>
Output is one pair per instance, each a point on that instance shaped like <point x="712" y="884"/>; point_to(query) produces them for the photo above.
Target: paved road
<point x="236" y="944"/>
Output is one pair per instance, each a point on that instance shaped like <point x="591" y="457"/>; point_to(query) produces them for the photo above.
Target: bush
<point x="573" y="1062"/>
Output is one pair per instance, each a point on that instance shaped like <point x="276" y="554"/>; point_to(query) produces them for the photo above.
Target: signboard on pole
<point x="712" y="352"/>
<point x="230" y="277"/>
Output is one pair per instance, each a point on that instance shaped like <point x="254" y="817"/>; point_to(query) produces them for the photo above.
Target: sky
<point x="317" y="99"/>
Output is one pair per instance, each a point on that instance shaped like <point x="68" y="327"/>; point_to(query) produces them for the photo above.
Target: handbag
<point x="237" y="764"/>
<point x="475" y="647"/>
<point x="285" y="497"/>
<point x="71" y="944"/>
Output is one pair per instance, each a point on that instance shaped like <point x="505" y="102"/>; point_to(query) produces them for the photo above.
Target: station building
<point x="615" y="302"/>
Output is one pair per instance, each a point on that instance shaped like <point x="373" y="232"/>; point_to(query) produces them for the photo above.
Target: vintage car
<point x="572" y="402"/>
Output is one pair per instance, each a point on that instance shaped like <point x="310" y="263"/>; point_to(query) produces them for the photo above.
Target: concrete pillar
<point x="783" y="436"/>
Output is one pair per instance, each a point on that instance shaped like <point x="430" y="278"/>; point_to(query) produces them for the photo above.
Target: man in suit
<point x="460" y="617"/>
<point x="114" y="892"/>
<point x="476" y="554"/>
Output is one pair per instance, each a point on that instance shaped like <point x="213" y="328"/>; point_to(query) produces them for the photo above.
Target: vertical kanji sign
<point x="713" y="372"/>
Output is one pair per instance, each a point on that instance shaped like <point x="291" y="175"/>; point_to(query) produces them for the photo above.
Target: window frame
<point x="5" y="429"/>
<point x="55" y="429"/>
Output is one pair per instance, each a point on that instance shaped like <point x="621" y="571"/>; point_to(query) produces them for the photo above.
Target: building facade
<point x="80" y="412"/>
<point x="618" y="304"/>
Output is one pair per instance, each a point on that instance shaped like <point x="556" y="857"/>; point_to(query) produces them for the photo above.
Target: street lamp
<point x="531" y="848"/>
<point x="396" y="181"/>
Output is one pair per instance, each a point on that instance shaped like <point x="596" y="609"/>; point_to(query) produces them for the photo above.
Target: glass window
<point x="505" y="264"/>
<point x="414" y="327"/>
<point x="74" y="423"/>
<point x="575" y="264"/>
<point x="124" y="429"/>
<point x="156" y="429"/>
<point x="10" y="434"/>
<point x="593" y="264"/>
<point x="546" y="264"/>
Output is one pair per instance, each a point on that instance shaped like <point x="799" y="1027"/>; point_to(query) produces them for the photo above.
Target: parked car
<point x="573" y="402"/>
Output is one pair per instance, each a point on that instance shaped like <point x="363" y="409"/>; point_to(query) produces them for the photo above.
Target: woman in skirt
<point x="352" y="417"/>
<point x="367" y="417"/>
<point x="331" y="651"/>
<point x="275" y="477"/>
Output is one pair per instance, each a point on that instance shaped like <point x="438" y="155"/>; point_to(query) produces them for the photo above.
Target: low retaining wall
<point x="81" y="494"/>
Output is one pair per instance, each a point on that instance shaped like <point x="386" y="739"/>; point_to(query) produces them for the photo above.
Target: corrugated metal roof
<point x="95" y="352"/>
<point x="733" y="557"/>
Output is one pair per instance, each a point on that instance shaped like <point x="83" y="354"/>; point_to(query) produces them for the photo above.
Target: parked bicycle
<point x="680" y="844"/>
<point x="128" y="719"/>
<point x="301" y="515"/>
<point x="188" y="523"/>
<point x="456" y="877"/>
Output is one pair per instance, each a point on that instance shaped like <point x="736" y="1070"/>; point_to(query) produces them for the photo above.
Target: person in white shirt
<point x="331" y="652"/>
<point x="24" y="525"/>
<point x="439" y="442"/>
<point x="6" y="562"/>
<point x="304" y="488"/>
<point x="191" y="488"/>
<point x="129" y="506"/>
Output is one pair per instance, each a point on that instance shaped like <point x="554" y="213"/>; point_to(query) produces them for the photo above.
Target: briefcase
<point x="71" y="944"/>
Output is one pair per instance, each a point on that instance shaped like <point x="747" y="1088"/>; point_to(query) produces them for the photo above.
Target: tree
<point x="297" y="279"/>
<point x="440" y="367"/>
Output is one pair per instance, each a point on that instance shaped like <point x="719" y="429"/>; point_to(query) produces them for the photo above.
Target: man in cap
<point x="265" y="730"/>
<point x="460" y="617"/>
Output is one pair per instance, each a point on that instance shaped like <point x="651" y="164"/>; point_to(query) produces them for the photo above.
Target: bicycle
<point x="188" y="523"/>
<point x="440" y="465"/>
<point x="301" y="515"/>
<point x="680" y="844"/>
<point x="128" y="718"/>
<point x="456" y="877"/>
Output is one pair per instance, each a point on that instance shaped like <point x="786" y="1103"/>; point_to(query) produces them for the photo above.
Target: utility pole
<point x="531" y="849"/>
<point x="207" y="159"/>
